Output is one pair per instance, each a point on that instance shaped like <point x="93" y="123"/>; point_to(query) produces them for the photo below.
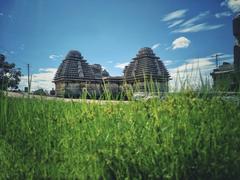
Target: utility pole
<point x="29" y="79"/>
<point x="217" y="60"/>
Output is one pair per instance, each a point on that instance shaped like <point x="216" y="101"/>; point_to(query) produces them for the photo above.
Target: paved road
<point x="24" y="95"/>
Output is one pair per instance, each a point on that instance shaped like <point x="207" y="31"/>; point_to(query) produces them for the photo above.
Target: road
<point x="24" y="95"/>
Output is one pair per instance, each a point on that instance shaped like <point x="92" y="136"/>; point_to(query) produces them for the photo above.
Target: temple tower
<point x="75" y="75"/>
<point x="146" y="67"/>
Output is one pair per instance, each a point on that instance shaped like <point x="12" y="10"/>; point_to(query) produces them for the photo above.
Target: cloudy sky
<point x="110" y="32"/>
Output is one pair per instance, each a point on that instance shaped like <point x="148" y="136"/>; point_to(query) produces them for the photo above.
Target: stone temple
<point x="75" y="76"/>
<point x="147" y="67"/>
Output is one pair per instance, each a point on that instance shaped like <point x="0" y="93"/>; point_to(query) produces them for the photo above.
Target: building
<point x="75" y="76"/>
<point x="145" y="70"/>
<point x="223" y="77"/>
<point x="227" y="76"/>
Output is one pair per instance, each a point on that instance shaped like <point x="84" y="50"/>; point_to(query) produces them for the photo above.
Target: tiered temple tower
<point x="74" y="75"/>
<point x="146" y="67"/>
<point x="74" y="67"/>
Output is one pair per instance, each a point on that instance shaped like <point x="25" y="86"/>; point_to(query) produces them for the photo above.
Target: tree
<point x="40" y="92"/>
<point x="9" y="74"/>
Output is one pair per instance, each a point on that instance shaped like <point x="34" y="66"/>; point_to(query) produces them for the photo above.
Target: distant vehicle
<point x="147" y="95"/>
<point x="52" y="92"/>
<point x="40" y="92"/>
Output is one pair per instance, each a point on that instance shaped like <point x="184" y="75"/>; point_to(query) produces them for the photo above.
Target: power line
<point x="217" y="56"/>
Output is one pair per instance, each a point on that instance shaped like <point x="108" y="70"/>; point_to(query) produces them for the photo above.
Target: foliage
<point x="182" y="137"/>
<point x="40" y="92"/>
<point x="9" y="74"/>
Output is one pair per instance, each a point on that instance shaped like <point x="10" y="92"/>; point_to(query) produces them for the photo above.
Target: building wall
<point x="113" y="88"/>
<point x="72" y="89"/>
<point x="223" y="82"/>
<point x="76" y="89"/>
<point x="150" y="86"/>
<point x="60" y="89"/>
<point x="95" y="90"/>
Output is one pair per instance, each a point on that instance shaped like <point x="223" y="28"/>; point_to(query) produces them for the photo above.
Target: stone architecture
<point x="146" y="67"/>
<point x="75" y="76"/>
<point x="227" y="76"/>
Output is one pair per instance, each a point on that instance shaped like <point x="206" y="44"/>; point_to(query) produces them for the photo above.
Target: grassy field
<point x="181" y="137"/>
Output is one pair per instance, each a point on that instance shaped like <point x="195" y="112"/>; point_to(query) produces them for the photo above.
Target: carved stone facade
<point x="75" y="76"/>
<point x="146" y="67"/>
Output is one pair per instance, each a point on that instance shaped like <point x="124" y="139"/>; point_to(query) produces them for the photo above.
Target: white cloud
<point x="109" y="62"/>
<point x="121" y="65"/>
<point x="42" y="79"/>
<point x="190" y="74"/>
<point x="167" y="62"/>
<point x="22" y="47"/>
<point x="198" y="28"/>
<point x="224" y="3"/>
<point x="175" y="15"/>
<point x="175" y="23"/>
<point x="191" y="21"/>
<point x="55" y="57"/>
<point x="168" y="48"/>
<point x="1" y="14"/>
<point x="181" y="42"/>
<point x="193" y="71"/>
<point x="223" y="14"/>
<point x="192" y="65"/>
<point x="155" y="46"/>
<point x="48" y="70"/>
<point x="190" y="25"/>
<point x="234" y="5"/>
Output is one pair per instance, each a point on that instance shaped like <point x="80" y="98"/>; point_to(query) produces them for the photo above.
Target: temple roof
<point x="74" y="67"/>
<point x="74" y="54"/>
<point x="146" y="51"/>
<point x="146" y="63"/>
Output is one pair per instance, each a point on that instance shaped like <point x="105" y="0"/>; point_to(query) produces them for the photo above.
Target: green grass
<point x="181" y="137"/>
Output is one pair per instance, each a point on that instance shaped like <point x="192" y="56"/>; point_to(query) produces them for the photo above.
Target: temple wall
<point x="60" y="89"/>
<point x="150" y="87"/>
<point x="72" y="89"/>
<point x="93" y="89"/>
<point x="76" y="89"/>
<point x="114" y="88"/>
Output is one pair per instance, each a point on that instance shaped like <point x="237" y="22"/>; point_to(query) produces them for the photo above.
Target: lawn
<point x="181" y="137"/>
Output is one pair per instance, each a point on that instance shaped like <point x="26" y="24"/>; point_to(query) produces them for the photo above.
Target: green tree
<point x="9" y="74"/>
<point x="40" y="92"/>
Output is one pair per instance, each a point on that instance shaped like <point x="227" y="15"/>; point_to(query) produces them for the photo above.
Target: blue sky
<point x="110" y="32"/>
